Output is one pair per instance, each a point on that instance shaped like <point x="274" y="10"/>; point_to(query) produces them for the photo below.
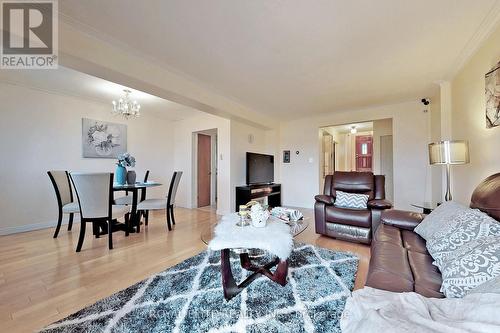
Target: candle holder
<point x="243" y="214"/>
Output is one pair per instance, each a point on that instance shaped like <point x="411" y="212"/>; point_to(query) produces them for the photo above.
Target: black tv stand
<point x="244" y="194"/>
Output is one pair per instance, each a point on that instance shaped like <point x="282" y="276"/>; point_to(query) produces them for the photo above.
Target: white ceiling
<point x="74" y="83"/>
<point x="293" y="58"/>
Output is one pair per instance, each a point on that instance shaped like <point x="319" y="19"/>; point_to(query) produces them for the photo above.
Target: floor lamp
<point x="449" y="152"/>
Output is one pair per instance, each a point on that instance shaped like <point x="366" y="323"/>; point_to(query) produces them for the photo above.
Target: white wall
<point x="183" y="159"/>
<point x="469" y="123"/>
<point x="435" y="182"/>
<point x="240" y="145"/>
<point x="300" y="177"/>
<point x="42" y="131"/>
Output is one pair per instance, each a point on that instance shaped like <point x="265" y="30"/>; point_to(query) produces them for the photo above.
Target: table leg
<point x="279" y="275"/>
<point x="133" y="214"/>
<point x="229" y="285"/>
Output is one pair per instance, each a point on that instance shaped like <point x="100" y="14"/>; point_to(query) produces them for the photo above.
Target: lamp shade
<point x="449" y="152"/>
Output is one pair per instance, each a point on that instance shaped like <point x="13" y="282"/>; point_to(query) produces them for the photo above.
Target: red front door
<point x="364" y="151"/>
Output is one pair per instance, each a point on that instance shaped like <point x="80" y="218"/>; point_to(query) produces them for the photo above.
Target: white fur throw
<point x="372" y="310"/>
<point x="274" y="238"/>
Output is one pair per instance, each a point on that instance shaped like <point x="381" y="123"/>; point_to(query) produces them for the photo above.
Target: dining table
<point x="134" y="189"/>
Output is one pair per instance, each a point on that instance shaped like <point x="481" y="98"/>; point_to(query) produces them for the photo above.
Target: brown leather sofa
<point x="353" y="225"/>
<point x="399" y="259"/>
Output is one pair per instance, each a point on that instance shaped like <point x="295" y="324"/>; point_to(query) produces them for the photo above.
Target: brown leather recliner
<point x="349" y="224"/>
<point x="399" y="259"/>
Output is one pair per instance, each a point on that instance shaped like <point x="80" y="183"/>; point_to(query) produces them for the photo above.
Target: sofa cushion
<point x="401" y="219"/>
<point x="387" y="233"/>
<point x="413" y="242"/>
<point x="354" y="182"/>
<point x="351" y="200"/>
<point x="472" y="264"/>
<point x="464" y="227"/>
<point x="354" y="217"/>
<point x="433" y="222"/>
<point x="427" y="277"/>
<point x="389" y="268"/>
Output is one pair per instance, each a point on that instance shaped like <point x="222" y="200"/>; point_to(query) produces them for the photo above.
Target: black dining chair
<point x="66" y="205"/>
<point x="167" y="203"/>
<point x="95" y="199"/>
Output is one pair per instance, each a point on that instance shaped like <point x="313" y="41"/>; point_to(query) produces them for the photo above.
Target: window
<point x="364" y="149"/>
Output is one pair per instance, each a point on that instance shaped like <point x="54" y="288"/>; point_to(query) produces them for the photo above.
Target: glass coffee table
<point x="427" y="207"/>
<point x="257" y="261"/>
<point x="296" y="228"/>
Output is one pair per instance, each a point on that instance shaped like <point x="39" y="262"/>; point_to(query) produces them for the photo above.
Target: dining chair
<point x="168" y="203"/>
<point x="95" y="198"/>
<point x="66" y="205"/>
<point x="127" y="199"/>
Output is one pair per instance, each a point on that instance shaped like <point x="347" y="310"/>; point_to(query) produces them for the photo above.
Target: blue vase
<point x="120" y="175"/>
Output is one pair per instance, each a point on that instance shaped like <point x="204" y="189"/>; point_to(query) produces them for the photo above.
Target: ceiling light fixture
<point x="126" y="107"/>
<point x="354" y="130"/>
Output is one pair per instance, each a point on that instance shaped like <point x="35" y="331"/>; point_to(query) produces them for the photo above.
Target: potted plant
<point x="124" y="161"/>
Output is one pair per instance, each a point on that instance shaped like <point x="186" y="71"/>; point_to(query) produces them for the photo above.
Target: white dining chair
<point x="66" y="205"/>
<point x="167" y="203"/>
<point x="95" y="198"/>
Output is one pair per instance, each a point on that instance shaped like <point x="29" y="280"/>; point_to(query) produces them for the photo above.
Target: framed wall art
<point x="493" y="97"/>
<point x="101" y="139"/>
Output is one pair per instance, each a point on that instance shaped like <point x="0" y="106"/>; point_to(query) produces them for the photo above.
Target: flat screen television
<point x="260" y="169"/>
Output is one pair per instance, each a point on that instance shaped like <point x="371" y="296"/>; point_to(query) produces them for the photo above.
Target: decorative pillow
<point x="351" y="200"/>
<point x="464" y="227"/>
<point x="489" y="287"/>
<point x="473" y="264"/>
<point x="435" y="220"/>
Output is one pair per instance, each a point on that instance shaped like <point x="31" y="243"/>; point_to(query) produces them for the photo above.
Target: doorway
<point x="205" y="166"/>
<point x="364" y="152"/>
<point x="363" y="146"/>
<point x="204" y="169"/>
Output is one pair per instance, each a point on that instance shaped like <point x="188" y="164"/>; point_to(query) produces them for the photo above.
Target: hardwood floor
<point x="43" y="279"/>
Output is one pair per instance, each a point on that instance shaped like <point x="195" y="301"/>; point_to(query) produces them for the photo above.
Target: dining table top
<point x="137" y="185"/>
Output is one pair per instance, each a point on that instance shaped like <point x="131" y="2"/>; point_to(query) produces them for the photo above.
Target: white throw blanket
<point x="374" y="310"/>
<point x="274" y="238"/>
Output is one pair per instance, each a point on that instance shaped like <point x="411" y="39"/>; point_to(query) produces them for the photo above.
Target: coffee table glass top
<point x="426" y="205"/>
<point x="296" y="229"/>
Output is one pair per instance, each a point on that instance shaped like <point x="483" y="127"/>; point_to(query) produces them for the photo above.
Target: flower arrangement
<point x="126" y="160"/>
<point x="259" y="215"/>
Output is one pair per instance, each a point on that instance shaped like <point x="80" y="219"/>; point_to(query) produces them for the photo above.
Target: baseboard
<point x="32" y="227"/>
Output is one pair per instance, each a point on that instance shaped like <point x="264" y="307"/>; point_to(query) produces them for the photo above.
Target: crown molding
<point x="489" y="24"/>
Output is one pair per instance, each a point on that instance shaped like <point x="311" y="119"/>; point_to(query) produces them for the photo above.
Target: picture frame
<point x="286" y="156"/>
<point x="102" y="139"/>
<point x="492" y="91"/>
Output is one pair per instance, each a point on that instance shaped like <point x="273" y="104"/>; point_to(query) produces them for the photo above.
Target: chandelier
<point x="126" y="107"/>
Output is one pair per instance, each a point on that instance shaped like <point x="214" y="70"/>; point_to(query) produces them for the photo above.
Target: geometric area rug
<point x="189" y="298"/>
